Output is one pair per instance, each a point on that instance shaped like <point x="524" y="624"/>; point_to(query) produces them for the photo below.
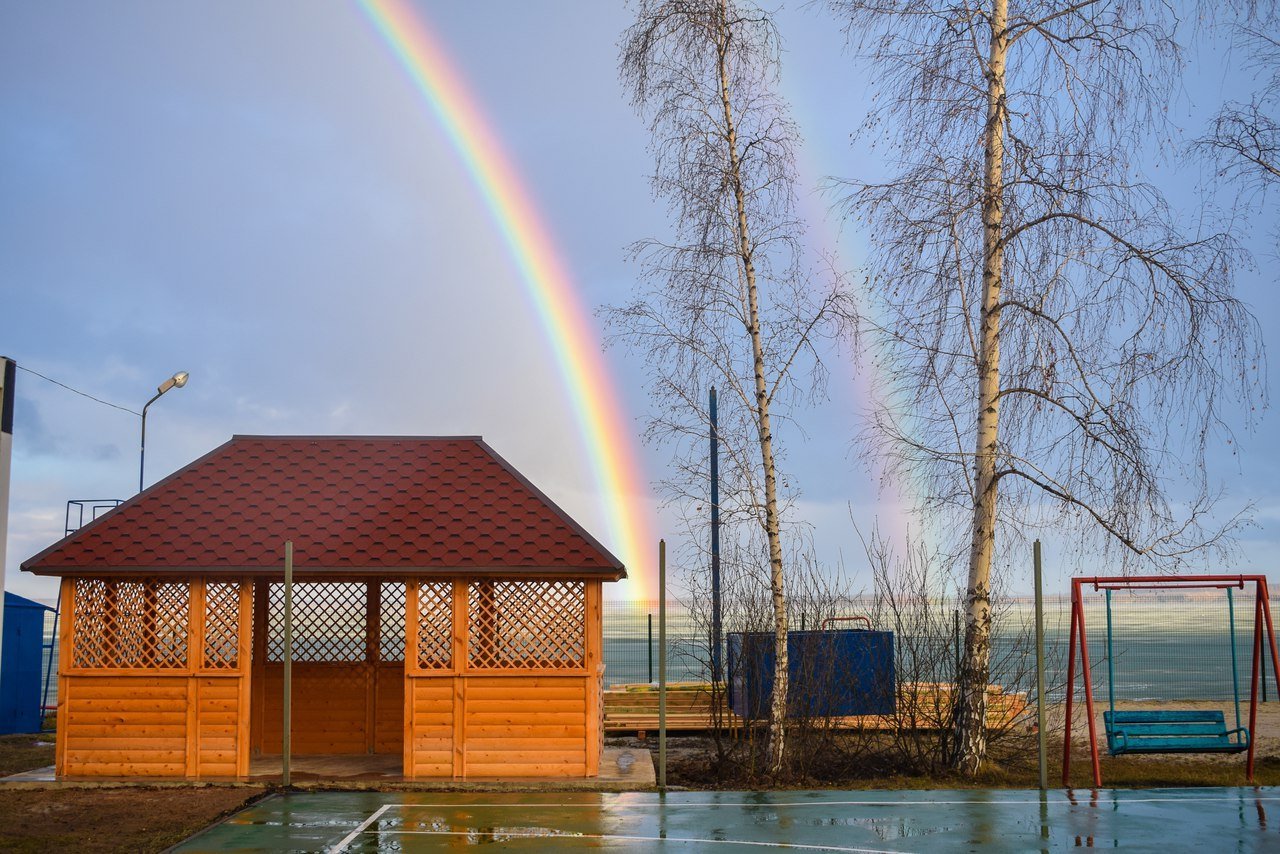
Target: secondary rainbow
<point x="606" y="431"/>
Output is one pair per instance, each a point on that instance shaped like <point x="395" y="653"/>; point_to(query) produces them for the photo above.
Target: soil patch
<point x="108" y="820"/>
<point x="869" y="760"/>
<point x="20" y="753"/>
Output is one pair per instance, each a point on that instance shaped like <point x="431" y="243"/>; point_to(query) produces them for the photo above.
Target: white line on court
<point x="350" y="837"/>
<point x="614" y="836"/>
<point x="1060" y="801"/>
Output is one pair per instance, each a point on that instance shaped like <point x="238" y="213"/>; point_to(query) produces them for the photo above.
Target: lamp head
<point x="178" y="380"/>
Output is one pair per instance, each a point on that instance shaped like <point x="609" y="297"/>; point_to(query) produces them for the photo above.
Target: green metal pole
<point x="1111" y="661"/>
<point x="662" y="665"/>
<point x="1235" y="677"/>
<point x="286" y="745"/>
<point x="1040" y="698"/>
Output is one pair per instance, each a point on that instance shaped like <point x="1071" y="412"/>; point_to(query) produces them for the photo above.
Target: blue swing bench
<point x="1172" y="732"/>
<point x="1166" y="731"/>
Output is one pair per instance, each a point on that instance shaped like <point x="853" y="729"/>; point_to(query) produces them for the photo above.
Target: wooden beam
<point x="67" y="606"/>
<point x="410" y="770"/>
<point x="258" y="663"/>
<point x="459" y="655"/>
<point x="195" y="663"/>
<point x="244" y="665"/>
<point x="593" y="637"/>
<point x="193" y="728"/>
<point x="372" y="655"/>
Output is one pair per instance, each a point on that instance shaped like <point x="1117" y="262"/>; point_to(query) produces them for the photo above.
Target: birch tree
<point x="1060" y="346"/>
<point x="724" y="302"/>
<point x="1244" y="137"/>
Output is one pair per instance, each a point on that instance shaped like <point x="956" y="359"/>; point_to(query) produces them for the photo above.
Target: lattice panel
<point x="137" y="624"/>
<point x="329" y="621"/>
<point x="222" y="625"/>
<point x="524" y="625"/>
<point x="391" y="622"/>
<point x="435" y="625"/>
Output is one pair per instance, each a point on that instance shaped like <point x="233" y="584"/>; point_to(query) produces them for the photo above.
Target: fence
<point x="1166" y="647"/>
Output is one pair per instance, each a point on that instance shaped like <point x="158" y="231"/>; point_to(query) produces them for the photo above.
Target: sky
<point x="257" y="194"/>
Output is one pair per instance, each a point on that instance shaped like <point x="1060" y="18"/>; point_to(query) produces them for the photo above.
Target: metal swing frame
<point x="1261" y="624"/>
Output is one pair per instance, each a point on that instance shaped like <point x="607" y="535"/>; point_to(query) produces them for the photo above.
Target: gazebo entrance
<point x="501" y="679"/>
<point x="348" y="669"/>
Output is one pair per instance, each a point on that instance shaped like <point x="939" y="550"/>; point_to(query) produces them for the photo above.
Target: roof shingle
<point x="353" y="503"/>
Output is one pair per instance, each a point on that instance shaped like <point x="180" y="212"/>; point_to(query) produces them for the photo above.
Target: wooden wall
<point x="187" y="721"/>
<point x="500" y="678"/>
<point x="466" y="721"/>
<point x="338" y="708"/>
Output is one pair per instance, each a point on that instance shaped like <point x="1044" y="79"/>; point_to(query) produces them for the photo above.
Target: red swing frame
<point x="1261" y="622"/>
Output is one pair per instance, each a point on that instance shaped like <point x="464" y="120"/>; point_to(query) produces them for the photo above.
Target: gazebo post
<point x="286" y="740"/>
<point x="372" y="658"/>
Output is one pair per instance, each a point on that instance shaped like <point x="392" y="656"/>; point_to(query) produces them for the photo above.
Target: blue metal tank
<point x="832" y="673"/>
<point x="20" y="659"/>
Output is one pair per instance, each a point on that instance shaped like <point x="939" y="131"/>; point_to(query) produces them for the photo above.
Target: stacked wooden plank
<point x="634" y="708"/>
<point x="921" y="706"/>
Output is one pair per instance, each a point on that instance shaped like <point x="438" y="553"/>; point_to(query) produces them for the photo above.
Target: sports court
<point x="1226" y="819"/>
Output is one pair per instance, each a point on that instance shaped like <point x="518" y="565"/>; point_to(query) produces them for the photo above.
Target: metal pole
<point x="715" y="540"/>
<point x="48" y="667"/>
<point x="8" y="376"/>
<point x="286" y="745"/>
<point x="955" y="637"/>
<point x="1040" y="698"/>
<point x="1263" y="674"/>
<point x="662" y="665"/>
<point x="142" y="447"/>
<point x="650" y="647"/>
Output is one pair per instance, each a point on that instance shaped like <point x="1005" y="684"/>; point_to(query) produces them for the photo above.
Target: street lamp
<point x="178" y="380"/>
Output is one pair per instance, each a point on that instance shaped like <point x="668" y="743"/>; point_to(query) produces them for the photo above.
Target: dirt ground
<point x="110" y="820"/>
<point x="24" y="752"/>
<point x="689" y="755"/>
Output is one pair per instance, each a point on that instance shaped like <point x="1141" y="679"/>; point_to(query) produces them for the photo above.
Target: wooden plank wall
<point x="545" y="723"/>
<point x="338" y="708"/>
<point x="181" y="723"/>
<point x="526" y="726"/>
<point x="194" y="722"/>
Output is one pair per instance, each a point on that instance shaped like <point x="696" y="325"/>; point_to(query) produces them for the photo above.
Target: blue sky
<point x="254" y="193"/>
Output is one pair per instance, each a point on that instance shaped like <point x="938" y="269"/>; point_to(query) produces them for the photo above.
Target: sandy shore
<point x="1266" y="733"/>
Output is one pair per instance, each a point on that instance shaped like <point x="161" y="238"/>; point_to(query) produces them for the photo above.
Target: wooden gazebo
<point x="444" y="610"/>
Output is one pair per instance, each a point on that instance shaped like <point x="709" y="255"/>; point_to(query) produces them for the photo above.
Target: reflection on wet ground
<point x="1211" y="820"/>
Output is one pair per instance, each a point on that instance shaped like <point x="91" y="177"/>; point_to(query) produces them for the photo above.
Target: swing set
<point x="1166" y="731"/>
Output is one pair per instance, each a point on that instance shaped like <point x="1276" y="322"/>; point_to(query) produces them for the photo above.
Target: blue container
<point x="20" y="659"/>
<point x="832" y="673"/>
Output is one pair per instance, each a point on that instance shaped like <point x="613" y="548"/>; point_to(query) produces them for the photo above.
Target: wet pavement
<point x="1164" y="820"/>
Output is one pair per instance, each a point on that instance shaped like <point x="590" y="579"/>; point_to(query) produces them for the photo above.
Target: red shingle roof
<point x="348" y="503"/>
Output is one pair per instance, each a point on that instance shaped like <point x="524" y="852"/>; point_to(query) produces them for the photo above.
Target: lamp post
<point x="178" y="380"/>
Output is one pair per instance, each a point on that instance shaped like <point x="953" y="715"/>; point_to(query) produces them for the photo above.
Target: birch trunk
<point x="971" y="707"/>
<point x="778" y="700"/>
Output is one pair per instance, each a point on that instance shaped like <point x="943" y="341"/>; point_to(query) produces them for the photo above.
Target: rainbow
<point x="601" y="419"/>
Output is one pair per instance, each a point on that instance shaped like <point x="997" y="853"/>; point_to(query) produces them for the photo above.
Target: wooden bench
<point x="1153" y="731"/>
<point x="921" y="706"/>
